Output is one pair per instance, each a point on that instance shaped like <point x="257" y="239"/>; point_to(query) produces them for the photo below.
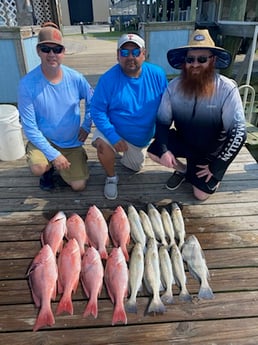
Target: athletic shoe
<point x="175" y="180"/>
<point x="46" y="181"/>
<point x="110" y="189"/>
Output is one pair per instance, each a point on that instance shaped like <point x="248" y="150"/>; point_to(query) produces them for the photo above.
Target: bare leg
<point x="106" y="156"/>
<point x="78" y="186"/>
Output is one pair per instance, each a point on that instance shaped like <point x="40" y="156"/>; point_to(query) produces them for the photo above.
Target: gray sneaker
<point x="110" y="189"/>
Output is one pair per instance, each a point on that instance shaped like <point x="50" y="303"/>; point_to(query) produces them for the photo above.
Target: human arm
<point x="29" y="119"/>
<point x="86" y="93"/>
<point x="100" y="107"/>
<point x="234" y="133"/>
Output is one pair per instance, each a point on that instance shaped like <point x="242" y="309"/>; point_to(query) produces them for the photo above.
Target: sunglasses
<point x="55" y="50"/>
<point x="126" y="52"/>
<point x="200" y="59"/>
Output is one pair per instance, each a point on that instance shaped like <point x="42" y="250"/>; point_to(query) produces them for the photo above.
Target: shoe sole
<point x="174" y="188"/>
<point x="110" y="198"/>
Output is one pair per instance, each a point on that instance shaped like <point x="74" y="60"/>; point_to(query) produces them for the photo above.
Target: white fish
<point x="146" y="224"/>
<point x="157" y="225"/>
<point x="136" y="268"/>
<point x="152" y="277"/>
<point x="192" y="253"/>
<point x="179" y="225"/>
<point x="167" y="277"/>
<point x="136" y="228"/>
<point x="168" y="225"/>
<point x="179" y="272"/>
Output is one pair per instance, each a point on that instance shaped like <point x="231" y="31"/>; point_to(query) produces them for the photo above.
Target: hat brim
<point x="176" y="57"/>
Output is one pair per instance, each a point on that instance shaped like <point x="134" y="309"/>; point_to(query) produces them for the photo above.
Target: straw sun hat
<point x="200" y="39"/>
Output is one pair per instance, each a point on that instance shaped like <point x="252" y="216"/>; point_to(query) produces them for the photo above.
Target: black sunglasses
<point x="200" y="59"/>
<point x="126" y="52"/>
<point x="55" y="50"/>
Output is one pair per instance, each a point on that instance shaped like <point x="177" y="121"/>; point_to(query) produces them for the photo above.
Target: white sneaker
<point x="110" y="189"/>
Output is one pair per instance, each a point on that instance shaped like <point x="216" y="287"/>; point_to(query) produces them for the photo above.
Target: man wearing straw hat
<point x="200" y="118"/>
<point x="49" y="104"/>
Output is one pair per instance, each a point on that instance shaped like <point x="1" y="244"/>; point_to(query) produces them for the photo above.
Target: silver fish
<point x="167" y="277"/>
<point x="168" y="226"/>
<point x="179" y="225"/>
<point x="146" y="224"/>
<point x="152" y="277"/>
<point x="157" y="225"/>
<point x="136" y="268"/>
<point x="136" y="228"/>
<point x="179" y="272"/>
<point x="192" y="253"/>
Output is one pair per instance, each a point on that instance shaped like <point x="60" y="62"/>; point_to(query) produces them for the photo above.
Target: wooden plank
<point x="220" y="332"/>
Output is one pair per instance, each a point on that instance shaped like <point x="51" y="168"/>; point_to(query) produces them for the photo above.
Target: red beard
<point x="198" y="84"/>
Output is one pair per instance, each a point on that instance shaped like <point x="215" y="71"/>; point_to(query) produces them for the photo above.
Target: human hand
<point x="204" y="171"/>
<point x="83" y="135"/>
<point x="121" y="146"/>
<point x="168" y="160"/>
<point x="61" y="163"/>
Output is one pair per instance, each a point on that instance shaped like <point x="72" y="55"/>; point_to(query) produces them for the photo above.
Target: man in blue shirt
<point x="49" y="105"/>
<point x="124" y="108"/>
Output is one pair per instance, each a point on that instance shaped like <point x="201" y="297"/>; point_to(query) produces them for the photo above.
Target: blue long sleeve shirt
<point x="51" y="112"/>
<point x="124" y="107"/>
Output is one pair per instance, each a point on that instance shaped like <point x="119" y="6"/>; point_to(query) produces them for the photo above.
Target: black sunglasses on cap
<point x="200" y="59"/>
<point x="47" y="49"/>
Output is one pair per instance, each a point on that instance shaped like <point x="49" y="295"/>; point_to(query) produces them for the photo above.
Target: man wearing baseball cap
<point x="49" y="105"/>
<point x="124" y="109"/>
<point x="207" y="115"/>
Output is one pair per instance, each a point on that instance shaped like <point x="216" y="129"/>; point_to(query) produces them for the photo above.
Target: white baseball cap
<point x="130" y="38"/>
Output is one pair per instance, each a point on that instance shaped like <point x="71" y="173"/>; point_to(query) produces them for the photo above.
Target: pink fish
<point x="54" y="232"/>
<point x="116" y="280"/>
<point x="69" y="267"/>
<point x="92" y="273"/>
<point x="42" y="275"/>
<point x="76" y="229"/>
<point x="97" y="230"/>
<point x="119" y="230"/>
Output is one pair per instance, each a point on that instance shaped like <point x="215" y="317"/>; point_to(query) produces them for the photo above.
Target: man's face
<point x="198" y="61"/>
<point x="51" y="55"/>
<point x="131" y="58"/>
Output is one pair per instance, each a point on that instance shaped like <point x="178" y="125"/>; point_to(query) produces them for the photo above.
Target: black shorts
<point x="180" y="150"/>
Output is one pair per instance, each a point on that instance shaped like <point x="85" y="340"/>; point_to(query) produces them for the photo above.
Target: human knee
<point x="38" y="169"/>
<point x="200" y="195"/>
<point x="78" y="186"/>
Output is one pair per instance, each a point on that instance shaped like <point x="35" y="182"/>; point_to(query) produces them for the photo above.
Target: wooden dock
<point x="226" y="225"/>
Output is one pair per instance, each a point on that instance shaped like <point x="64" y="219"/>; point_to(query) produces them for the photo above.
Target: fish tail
<point x="131" y="306"/>
<point x="167" y="298"/>
<point x="185" y="296"/>
<point x="45" y="318"/>
<point x="156" y="306"/>
<point x="65" y="305"/>
<point x="205" y="293"/>
<point x="91" y="308"/>
<point x="103" y="254"/>
<point x="125" y="252"/>
<point x="119" y="315"/>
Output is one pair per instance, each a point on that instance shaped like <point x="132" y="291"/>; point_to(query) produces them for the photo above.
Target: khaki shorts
<point x="133" y="158"/>
<point x="77" y="156"/>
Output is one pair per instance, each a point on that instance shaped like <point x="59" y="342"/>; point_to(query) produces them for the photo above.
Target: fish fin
<point x="205" y="293"/>
<point x="91" y="309"/>
<point x="131" y="306"/>
<point x="119" y="315"/>
<point x="156" y="307"/>
<point x="45" y="318"/>
<point x="65" y="305"/>
<point x="167" y="298"/>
